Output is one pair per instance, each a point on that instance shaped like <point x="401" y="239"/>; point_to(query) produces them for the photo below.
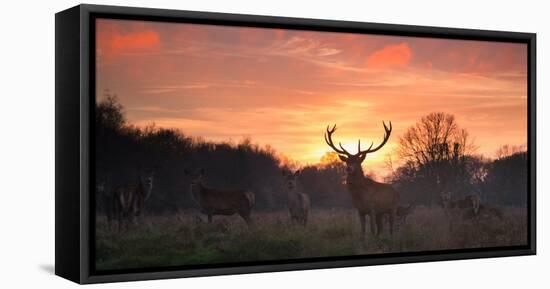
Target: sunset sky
<point x="283" y="87"/>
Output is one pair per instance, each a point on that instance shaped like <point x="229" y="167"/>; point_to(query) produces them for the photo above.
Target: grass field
<point x="186" y="239"/>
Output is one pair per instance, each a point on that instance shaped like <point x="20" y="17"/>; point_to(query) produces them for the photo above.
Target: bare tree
<point x="437" y="147"/>
<point x="508" y="150"/>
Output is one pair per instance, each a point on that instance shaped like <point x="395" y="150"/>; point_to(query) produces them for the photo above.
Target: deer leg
<point x="372" y="217"/>
<point x="119" y="221"/>
<point x="362" y="221"/>
<point x="110" y="221"/>
<point x="248" y="221"/>
<point x="379" y="223"/>
<point x="123" y="221"/>
<point x="246" y="216"/>
<point x="392" y="219"/>
<point x="128" y="219"/>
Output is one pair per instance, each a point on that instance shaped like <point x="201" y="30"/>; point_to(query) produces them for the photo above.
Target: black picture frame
<point x="75" y="102"/>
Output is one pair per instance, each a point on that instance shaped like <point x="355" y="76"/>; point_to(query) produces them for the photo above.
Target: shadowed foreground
<point x="184" y="239"/>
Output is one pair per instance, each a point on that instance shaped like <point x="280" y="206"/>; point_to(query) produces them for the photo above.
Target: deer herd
<point x="125" y="203"/>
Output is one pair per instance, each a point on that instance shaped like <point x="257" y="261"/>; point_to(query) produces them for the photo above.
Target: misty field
<point x="186" y="239"/>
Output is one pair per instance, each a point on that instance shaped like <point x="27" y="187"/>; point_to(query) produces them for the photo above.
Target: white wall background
<point x="27" y="143"/>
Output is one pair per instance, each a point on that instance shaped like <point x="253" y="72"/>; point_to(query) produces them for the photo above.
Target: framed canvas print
<point x="192" y="144"/>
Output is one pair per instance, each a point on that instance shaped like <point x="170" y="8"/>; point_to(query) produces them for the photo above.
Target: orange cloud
<point x="137" y="41"/>
<point x="113" y="39"/>
<point x="390" y="56"/>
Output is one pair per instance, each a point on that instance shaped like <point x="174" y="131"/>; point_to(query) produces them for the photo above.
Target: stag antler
<point x="342" y="150"/>
<point x="387" y="132"/>
<point x="328" y="140"/>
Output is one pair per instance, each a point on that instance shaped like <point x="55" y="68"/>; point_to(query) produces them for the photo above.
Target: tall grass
<point x="186" y="239"/>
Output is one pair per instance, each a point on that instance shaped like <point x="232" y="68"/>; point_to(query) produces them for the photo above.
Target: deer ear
<point x="362" y="157"/>
<point x="343" y="158"/>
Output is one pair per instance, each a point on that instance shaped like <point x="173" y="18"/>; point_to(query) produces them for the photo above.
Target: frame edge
<point x="67" y="144"/>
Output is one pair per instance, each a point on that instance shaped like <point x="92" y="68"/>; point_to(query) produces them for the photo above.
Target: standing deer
<point x="368" y="196"/>
<point x="220" y="201"/>
<point x="129" y="199"/>
<point x="104" y="201"/>
<point x="298" y="202"/>
<point x="101" y="197"/>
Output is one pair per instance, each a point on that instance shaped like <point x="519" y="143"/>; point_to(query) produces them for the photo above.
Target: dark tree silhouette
<point x="506" y="180"/>
<point x="435" y="147"/>
<point x="109" y="114"/>
<point x="121" y="149"/>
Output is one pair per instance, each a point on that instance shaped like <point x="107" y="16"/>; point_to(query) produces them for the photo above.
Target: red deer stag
<point x="129" y="199"/>
<point x="220" y="201"/>
<point x="368" y="196"/>
<point x="298" y="202"/>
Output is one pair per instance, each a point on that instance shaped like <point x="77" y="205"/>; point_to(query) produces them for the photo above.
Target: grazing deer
<point x="490" y="211"/>
<point x="298" y="202"/>
<point x="220" y="201"/>
<point x="368" y="196"/>
<point x="468" y="205"/>
<point x="129" y="199"/>
<point x="401" y="215"/>
<point x="403" y="212"/>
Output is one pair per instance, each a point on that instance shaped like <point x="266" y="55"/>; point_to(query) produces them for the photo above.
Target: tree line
<point x="440" y="156"/>
<point x="446" y="161"/>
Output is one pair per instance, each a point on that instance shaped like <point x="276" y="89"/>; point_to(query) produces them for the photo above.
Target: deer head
<point x="445" y="197"/>
<point x="291" y="178"/>
<point x="146" y="179"/>
<point x="100" y="188"/>
<point x="196" y="181"/>
<point x="353" y="161"/>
